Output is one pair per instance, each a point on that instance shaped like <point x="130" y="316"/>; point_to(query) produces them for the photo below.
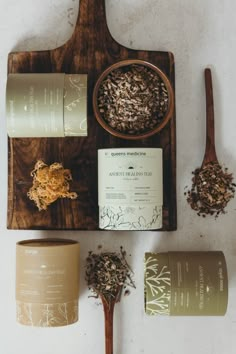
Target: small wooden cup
<point x="145" y="134"/>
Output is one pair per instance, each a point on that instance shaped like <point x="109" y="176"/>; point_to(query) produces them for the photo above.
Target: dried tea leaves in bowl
<point x="107" y="273"/>
<point x="49" y="184"/>
<point x="212" y="189"/>
<point x="133" y="99"/>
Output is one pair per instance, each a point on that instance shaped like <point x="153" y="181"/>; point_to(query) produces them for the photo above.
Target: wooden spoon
<point x="210" y="151"/>
<point x="108" y="307"/>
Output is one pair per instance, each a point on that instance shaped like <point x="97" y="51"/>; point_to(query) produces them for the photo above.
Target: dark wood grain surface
<point x="90" y="50"/>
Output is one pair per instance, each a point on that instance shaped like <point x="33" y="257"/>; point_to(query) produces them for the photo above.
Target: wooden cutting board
<point x="90" y="50"/>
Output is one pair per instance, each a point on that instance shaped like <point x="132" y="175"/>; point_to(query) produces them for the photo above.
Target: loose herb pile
<point x="133" y="99"/>
<point x="212" y="189"/>
<point x="49" y="184"/>
<point x="107" y="273"/>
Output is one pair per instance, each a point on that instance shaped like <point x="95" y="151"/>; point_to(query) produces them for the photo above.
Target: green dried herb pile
<point x="107" y="273"/>
<point x="212" y="189"/>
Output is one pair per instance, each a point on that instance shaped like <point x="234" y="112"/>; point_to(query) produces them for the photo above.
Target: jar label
<point x="130" y="195"/>
<point x="75" y="105"/>
<point x="199" y="284"/>
<point x="186" y="283"/>
<point x="34" y="105"/>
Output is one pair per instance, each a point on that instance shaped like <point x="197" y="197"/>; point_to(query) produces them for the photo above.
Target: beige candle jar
<point x="47" y="282"/>
<point x="186" y="284"/>
<point x="46" y="105"/>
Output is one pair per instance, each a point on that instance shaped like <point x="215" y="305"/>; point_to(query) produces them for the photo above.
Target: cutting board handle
<point x="92" y="14"/>
<point x="91" y="24"/>
<point x="91" y="27"/>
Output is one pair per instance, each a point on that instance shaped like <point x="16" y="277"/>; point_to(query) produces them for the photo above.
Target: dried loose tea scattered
<point x="212" y="189"/>
<point x="49" y="184"/>
<point x="133" y="99"/>
<point x="107" y="273"/>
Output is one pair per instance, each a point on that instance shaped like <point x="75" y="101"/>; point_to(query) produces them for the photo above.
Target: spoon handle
<point x="210" y="152"/>
<point x="108" y="315"/>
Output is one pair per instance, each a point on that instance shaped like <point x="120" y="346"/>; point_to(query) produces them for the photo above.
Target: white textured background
<point x="199" y="33"/>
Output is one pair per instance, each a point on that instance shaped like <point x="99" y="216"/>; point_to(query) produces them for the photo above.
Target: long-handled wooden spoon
<point x="210" y="151"/>
<point x="108" y="307"/>
<point x="106" y="274"/>
<point x="212" y="186"/>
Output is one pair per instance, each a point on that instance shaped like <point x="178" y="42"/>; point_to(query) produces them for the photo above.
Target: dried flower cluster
<point x="212" y="189"/>
<point x="107" y="273"/>
<point x="133" y="99"/>
<point x="49" y="184"/>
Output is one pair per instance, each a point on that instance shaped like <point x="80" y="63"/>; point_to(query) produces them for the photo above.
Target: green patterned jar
<point x="46" y="105"/>
<point x="186" y="284"/>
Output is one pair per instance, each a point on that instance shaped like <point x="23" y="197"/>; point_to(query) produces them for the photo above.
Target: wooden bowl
<point x="147" y="133"/>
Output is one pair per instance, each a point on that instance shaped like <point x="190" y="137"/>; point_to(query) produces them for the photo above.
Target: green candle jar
<point x="46" y="105"/>
<point x="186" y="284"/>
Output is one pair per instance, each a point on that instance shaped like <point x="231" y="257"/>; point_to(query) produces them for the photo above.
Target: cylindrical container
<point x="186" y="284"/>
<point x="46" y="105"/>
<point x="47" y="282"/>
<point x="130" y="188"/>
